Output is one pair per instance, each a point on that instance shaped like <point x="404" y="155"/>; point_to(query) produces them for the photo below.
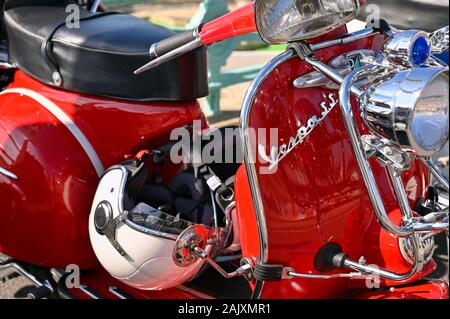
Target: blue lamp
<point x="420" y="51"/>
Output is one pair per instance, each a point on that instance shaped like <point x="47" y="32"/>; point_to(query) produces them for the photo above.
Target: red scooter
<point x="112" y="184"/>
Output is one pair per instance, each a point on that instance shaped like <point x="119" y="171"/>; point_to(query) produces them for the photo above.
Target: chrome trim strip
<point x="350" y="37"/>
<point x="289" y="273"/>
<point x="66" y="121"/>
<point x="90" y="292"/>
<point x="116" y="291"/>
<point x="8" y="173"/>
<point x="248" y="153"/>
<point x="195" y="292"/>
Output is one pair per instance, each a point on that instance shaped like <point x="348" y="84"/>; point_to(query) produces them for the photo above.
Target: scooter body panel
<point x="316" y="194"/>
<point x="57" y="143"/>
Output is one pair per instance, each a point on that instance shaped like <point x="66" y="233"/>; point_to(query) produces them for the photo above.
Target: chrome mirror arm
<point x="245" y="270"/>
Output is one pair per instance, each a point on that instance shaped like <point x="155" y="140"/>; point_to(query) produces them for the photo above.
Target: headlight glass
<point x="430" y="120"/>
<point x="283" y="21"/>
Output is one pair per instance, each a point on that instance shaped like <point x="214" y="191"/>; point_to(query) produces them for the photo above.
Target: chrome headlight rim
<point x="264" y="36"/>
<point x="390" y="117"/>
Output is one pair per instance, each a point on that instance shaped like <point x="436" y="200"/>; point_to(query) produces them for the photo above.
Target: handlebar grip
<point x="160" y="48"/>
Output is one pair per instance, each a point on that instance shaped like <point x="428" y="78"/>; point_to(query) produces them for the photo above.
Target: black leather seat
<point x="100" y="56"/>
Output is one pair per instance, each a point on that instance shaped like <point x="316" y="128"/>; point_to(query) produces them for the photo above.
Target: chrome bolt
<point x="362" y="260"/>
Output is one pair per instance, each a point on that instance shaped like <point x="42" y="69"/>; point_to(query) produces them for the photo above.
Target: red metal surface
<point x="426" y="289"/>
<point x="382" y="249"/>
<point x="44" y="214"/>
<point x="238" y="22"/>
<point x="317" y="195"/>
<point x="248" y="228"/>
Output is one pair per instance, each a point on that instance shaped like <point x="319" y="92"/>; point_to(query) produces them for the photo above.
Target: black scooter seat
<point x="100" y="55"/>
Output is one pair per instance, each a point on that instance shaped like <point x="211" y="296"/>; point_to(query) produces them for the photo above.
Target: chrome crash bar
<point x="411" y="225"/>
<point x="434" y="222"/>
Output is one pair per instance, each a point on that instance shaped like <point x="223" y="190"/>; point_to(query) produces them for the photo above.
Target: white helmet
<point x="143" y="246"/>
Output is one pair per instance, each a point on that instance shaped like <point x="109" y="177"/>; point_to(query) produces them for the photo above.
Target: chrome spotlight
<point x="409" y="48"/>
<point x="410" y="108"/>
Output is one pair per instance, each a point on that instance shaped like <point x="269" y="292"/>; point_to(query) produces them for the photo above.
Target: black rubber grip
<point x="325" y="261"/>
<point x="172" y="43"/>
<point x="265" y="272"/>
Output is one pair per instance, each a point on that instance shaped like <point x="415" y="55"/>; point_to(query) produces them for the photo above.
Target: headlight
<point x="410" y="108"/>
<point x="283" y="21"/>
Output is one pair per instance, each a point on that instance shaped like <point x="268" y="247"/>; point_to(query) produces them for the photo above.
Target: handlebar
<point x="165" y="46"/>
<point x="170" y="55"/>
<point x="238" y="22"/>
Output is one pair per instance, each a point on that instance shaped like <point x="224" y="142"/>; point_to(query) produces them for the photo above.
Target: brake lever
<point x="188" y="47"/>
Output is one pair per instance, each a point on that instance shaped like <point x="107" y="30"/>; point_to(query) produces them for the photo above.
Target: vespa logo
<point x="277" y="154"/>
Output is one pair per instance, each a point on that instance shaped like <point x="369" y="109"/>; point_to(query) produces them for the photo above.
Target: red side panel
<point x="44" y="213"/>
